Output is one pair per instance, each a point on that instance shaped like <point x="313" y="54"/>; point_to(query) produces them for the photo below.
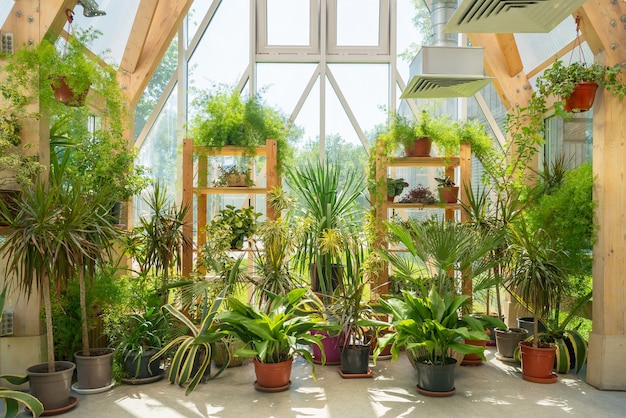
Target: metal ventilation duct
<point x="510" y="16"/>
<point x="445" y="72"/>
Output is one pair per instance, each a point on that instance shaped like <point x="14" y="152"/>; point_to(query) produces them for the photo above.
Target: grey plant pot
<point x="52" y="389"/>
<point x="94" y="371"/>
<point x="507" y="340"/>
<point x="527" y="322"/>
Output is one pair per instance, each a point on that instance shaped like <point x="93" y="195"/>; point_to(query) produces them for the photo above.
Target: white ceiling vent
<point x="445" y="72"/>
<point x="510" y="16"/>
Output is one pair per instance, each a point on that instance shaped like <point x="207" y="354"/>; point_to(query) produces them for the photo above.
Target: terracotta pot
<point x="419" y="148"/>
<point x="537" y="363"/>
<point x="449" y="194"/>
<point x="331" y="346"/>
<point x="582" y="97"/>
<point x="273" y="375"/>
<point x="65" y="95"/>
<point x="473" y="359"/>
<point x="391" y="198"/>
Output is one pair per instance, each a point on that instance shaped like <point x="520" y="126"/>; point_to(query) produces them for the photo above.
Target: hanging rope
<point x="69" y="14"/>
<point x="577" y="44"/>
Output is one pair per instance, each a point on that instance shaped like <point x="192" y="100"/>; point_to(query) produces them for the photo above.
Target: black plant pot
<point x="355" y="359"/>
<point x="438" y="378"/>
<point x="140" y="368"/>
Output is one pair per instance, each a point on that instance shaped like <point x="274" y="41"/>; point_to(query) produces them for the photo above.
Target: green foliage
<point x="198" y="340"/>
<point x="567" y="213"/>
<point x="419" y="194"/>
<point x="431" y="325"/>
<point x="235" y="224"/>
<point x="327" y="207"/>
<point x="444" y="181"/>
<point x="224" y="117"/>
<point x="224" y="173"/>
<point x="439" y="250"/>
<point x="278" y="330"/>
<point x="472" y="132"/>
<point x="395" y="186"/>
<point x="559" y="80"/>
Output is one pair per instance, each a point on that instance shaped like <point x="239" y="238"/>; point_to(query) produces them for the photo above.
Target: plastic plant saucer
<point x="61" y="410"/>
<point x="553" y="378"/>
<point x="355" y="375"/>
<point x="271" y="390"/>
<point x="436" y="394"/>
<point x="93" y="391"/>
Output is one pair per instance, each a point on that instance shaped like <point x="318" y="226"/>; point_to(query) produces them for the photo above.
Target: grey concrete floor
<point x="493" y="389"/>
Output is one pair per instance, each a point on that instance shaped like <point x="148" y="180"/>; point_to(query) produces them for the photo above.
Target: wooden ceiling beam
<point x="139" y="34"/>
<point x="602" y="25"/>
<point x="31" y="20"/>
<point x="165" y="23"/>
<point x="514" y="89"/>
<point x="510" y="53"/>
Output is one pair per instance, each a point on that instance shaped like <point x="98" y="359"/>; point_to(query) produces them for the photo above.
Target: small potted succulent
<point x="448" y="192"/>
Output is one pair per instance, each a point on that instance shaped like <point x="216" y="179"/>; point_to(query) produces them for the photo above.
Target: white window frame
<point x="383" y="33"/>
<point x="314" y="32"/>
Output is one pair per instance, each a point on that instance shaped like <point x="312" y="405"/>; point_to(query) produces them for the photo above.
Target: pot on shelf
<point x="449" y="194"/>
<point x="419" y="148"/>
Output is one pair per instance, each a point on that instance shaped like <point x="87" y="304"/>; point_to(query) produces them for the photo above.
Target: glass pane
<point x="195" y="16"/>
<point x="115" y="27"/>
<point x="358" y="22"/>
<point x="288" y="22"/>
<point x="159" y="150"/>
<point x="215" y="61"/>
<point x="535" y="48"/>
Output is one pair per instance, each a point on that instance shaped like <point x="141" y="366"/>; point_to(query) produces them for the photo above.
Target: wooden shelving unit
<point x="382" y="206"/>
<point x="196" y="161"/>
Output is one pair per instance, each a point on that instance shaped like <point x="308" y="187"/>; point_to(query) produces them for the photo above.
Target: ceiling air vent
<point x="510" y="16"/>
<point x="445" y="72"/>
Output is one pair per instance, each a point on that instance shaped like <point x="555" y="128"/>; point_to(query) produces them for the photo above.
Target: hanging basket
<point x="65" y="95"/>
<point x="582" y="97"/>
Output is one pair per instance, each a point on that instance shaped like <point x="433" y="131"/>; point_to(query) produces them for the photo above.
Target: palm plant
<point x="326" y="199"/>
<point x="538" y="274"/>
<point x="160" y="237"/>
<point x="57" y="232"/>
<point x="438" y="252"/>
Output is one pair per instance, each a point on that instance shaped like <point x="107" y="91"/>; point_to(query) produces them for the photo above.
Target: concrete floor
<point x="494" y="389"/>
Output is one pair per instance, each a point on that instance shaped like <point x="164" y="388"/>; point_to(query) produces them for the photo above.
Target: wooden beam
<point x="604" y="30"/>
<point x="510" y="53"/>
<point x="514" y="90"/>
<point x="165" y="23"/>
<point x="138" y="35"/>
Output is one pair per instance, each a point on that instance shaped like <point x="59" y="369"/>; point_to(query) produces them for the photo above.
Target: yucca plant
<point x="193" y="351"/>
<point x="13" y="398"/>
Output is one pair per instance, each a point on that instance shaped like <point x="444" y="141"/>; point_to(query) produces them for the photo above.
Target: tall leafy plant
<point x="327" y="205"/>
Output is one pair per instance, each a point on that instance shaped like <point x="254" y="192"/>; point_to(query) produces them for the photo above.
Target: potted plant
<point x="327" y="209"/>
<point x="13" y="398"/>
<point x="395" y="187"/>
<point x="137" y="337"/>
<point x="419" y="194"/>
<point x="417" y="134"/>
<point x="233" y="176"/>
<point x="507" y="341"/>
<point x="274" y="333"/>
<point x="539" y="277"/>
<point x="192" y="359"/>
<point x="237" y="224"/>
<point x="448" y="192"/>
<point x="575" y="84"/>
<point x="225" y="117"/>
<point x="429" y="327"/>
<point x="46" y="241"/>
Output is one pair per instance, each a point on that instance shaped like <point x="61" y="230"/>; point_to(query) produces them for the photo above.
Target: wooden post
<point x="188" y="200"/>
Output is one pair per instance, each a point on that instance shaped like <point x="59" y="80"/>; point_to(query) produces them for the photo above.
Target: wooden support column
<point x="188" y="201"/>
<point x="606" y="367"/>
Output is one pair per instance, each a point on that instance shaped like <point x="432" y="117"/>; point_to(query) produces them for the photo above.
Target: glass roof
<point x="5" y="9"/>
<point x="115" y="27"/>
<point x="536" y="48"/>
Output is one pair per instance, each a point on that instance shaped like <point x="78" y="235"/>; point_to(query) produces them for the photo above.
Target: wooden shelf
<point x="450" y="162"/>
<point x="455" y="206"/>
<point x="229" y="190"/>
